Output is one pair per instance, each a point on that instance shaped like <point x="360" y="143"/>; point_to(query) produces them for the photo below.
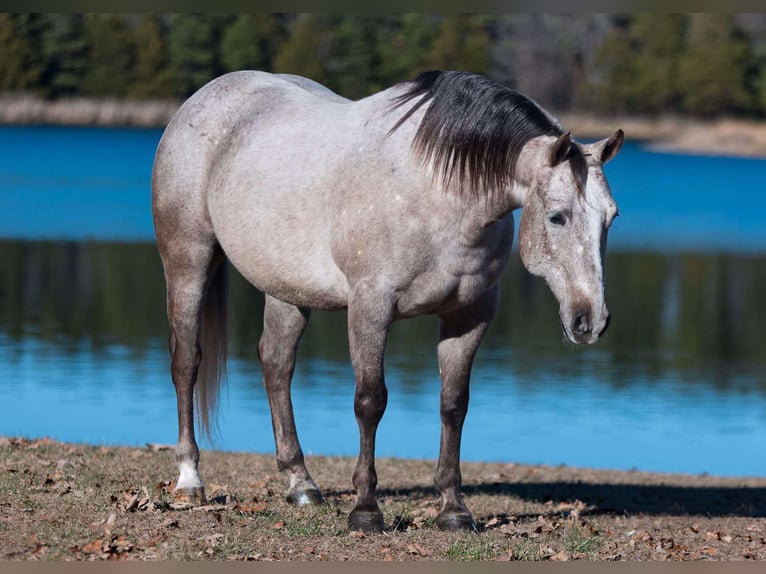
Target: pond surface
<point x="678" y="384"/>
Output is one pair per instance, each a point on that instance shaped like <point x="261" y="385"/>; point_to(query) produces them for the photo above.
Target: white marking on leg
<point x="189" y="476"/>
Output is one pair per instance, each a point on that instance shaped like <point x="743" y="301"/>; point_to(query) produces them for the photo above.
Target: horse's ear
<point x="560" y="149"/>
<point x="606" y="149"/>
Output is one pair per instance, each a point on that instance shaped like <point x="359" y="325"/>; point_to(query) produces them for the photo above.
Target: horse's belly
<point x="289" y="260"/>
<point x="301" y="280"/>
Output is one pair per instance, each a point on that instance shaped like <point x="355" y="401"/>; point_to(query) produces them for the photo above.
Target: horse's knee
<point x="370" y="403"/>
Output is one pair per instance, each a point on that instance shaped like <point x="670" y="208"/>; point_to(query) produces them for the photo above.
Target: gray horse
<point x="396" y="205"/>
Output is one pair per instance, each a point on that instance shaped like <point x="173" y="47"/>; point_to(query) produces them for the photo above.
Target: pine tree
<point x="153" y="77"/>
<point x="65" y="53"/>
<point x="351" y="61"/>
<point x="462" y="43"/>
<point x="20" y="62"/>
<point x="304" y="51"/>
<point x="660" y="39"/>
<point x="715" y="66"/>
<point x="111" y="55"/>
<point x="241" y="45"/>
<point x="192" y="44"/>
<point x="403" y="44"/>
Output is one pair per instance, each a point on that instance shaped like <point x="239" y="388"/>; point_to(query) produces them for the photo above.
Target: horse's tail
<point x="213" y="339"/>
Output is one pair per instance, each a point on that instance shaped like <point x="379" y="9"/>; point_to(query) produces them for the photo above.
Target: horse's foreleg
<point x="369" y="317"/>
<point x="283" y="325"/>
<point x="459" y="336"/>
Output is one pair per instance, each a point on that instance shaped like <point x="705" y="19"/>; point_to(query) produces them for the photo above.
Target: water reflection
<point x="682" y="315"/>
<point x="83" y="322"/>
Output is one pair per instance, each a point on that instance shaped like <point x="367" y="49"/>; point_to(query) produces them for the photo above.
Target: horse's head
<point x="564" y="224"/>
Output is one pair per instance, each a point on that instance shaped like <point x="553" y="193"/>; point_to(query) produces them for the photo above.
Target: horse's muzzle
<point x="582" y="330"/>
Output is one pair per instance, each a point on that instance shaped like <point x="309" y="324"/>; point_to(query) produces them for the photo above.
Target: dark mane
<point x="474" y="129"/>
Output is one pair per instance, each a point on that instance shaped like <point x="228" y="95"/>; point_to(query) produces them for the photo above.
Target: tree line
<point x="698" y="64"/>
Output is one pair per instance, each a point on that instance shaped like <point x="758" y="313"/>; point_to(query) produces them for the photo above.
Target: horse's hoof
<point x="189" y="496"/>
<point x="455" y="520"/>
<point x="365" y="520"/>
<point x="311" y="497"/>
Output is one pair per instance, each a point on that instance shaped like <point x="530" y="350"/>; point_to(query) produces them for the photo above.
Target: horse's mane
<point x="474" y="129"/>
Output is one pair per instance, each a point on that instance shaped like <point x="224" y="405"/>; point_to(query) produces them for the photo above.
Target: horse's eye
<point x="557" y="219"/>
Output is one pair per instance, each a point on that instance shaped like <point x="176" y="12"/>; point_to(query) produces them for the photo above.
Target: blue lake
<point x="678" y="384"/>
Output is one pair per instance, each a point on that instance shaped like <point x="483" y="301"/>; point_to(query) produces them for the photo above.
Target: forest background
<point x="694" y="65"/>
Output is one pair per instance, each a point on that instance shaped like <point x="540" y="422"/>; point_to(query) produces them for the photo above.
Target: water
<point x="677" y="385"/>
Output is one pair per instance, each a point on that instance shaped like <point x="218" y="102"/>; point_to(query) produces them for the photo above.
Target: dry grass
<point x="76" y="502"/>
<point x="721" y="136"/>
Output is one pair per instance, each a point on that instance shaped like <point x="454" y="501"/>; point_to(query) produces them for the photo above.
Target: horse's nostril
<point x="581" y="324"/>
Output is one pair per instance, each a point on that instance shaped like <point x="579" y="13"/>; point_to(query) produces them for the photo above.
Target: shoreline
<point x="116" y="504"/>
<point x="722" y="136"/>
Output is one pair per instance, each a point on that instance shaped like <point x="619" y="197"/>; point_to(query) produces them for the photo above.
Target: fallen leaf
<point x="260" y="507"/>
<point x="308" y="550"/>
<point x="560" y="557"/>
<point x="157" y="539"/>
<point x="639" y="535"/>
<point x="279" y="525"/>
<point x="93" y="546"/>
<point x="709" y="551"/>
<point x="358" y="534"/>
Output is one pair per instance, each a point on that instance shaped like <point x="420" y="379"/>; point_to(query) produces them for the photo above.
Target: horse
<point x="392" y="206"/>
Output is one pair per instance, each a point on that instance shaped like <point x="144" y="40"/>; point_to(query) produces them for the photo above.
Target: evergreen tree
<point x="351" y="62"/>
<point x="192" y="43"/>
<point x="20" y="61"/>
<point x="715" y="66"/>
<point x="462" y="43"/>
<point x="65" y="53"/>
<point x="111" y="55"/>
<point x="660" y="38"/>
<point x="403" y="43"/>
<point x="616" y="59"/>
<point x="641" y="59"/>
<point x="153" y="77"/>
<point x="241" y="45"/>
<point x="304" y="51"/>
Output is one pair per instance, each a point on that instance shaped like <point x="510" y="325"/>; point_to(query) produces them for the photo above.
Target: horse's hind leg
<point x="459" y="336"/>
<point x="283" y="325"/>
<point x="187" y="273"/>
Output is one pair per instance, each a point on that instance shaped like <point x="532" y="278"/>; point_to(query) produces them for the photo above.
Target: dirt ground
<point x="76" y="502"/>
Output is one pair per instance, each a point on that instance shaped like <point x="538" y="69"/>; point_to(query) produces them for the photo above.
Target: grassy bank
<point x="723" y="136"/>
<point x="733" y="137"/>
<point x="31" y="110"/>
<point x="76" y="502"/>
